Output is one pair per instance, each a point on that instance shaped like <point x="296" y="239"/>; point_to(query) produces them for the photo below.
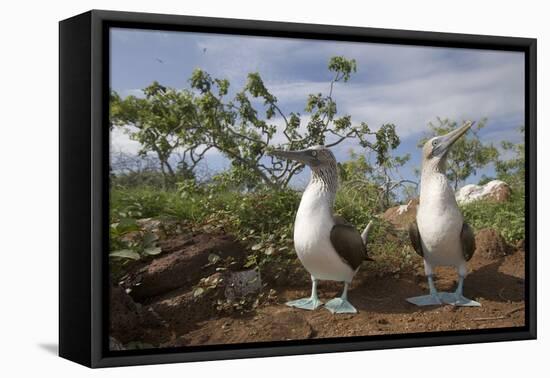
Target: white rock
<point x="470" y="193"/>
<point x="404" y="208"/>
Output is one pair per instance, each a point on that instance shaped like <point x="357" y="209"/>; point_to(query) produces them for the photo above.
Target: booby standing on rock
<point x="328" y="247"/>
<point x="440" y="234"/>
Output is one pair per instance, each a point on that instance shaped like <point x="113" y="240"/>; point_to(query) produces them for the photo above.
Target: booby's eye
<point x="314" y="153"/>
<point x="435" y="142"/>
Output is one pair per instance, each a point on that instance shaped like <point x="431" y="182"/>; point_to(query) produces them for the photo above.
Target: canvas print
<point x="267" y="189"/>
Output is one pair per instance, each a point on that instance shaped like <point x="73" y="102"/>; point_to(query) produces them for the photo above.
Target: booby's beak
<point x="308" y="157"/>
<point x="449" y="139"/>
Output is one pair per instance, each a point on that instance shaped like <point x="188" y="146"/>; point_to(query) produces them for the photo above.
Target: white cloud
<point x="121" y="142"/>
<point x="486" y="90"/>
<point x="131" y="92"/>
<point x="405" y="85"/>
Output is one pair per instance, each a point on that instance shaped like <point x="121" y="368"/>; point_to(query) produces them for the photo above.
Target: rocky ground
<point x="193" y="294"/>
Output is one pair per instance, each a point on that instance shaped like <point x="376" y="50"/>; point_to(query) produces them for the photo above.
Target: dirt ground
<point x="498" y="284"/>
<point x="158" y="303"/>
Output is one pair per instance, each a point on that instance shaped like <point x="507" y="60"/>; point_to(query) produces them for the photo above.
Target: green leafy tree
<point x="161" y="123"/>
<point x="382" y="177"/>
<point x="245" y="133"/>
<point x="512" y="170"/>
<point x="242" y="126"/>
<point x="468" y="154"/>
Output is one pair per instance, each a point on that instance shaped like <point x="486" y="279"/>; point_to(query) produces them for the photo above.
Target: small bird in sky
<point x="204" y="50"/>
<point x="159" y="60"/>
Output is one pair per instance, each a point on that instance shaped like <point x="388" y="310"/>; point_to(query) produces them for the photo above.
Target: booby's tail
<point x="365" y="233"/>
<point x="365" y="236"/>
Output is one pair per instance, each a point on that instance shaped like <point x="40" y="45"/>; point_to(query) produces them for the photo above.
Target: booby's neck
<point x="324" y="182"/>
<point x="319" y="195"/>
<point x="434" y="186"/>
<point x="434" y="165"/>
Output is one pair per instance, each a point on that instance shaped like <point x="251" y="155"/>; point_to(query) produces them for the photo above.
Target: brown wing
<point x="414" y="235"/>
<point x="468" y="241"/>
<point x="347" y="242"/>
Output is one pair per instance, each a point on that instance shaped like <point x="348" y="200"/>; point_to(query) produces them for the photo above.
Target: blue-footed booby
<point x="440" y="234"/>
<point x="328" y="247"/>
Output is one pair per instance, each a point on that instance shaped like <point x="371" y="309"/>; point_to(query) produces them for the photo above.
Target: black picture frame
<point x="84" y="186"/>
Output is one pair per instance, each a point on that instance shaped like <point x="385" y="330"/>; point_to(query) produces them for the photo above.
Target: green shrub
<point x="506" y="217"/>
<point x="357" y="203"/>
<point x="262" y="220"/>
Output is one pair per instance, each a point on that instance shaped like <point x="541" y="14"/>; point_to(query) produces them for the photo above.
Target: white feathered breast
<point x="312" y="242"/>
<point x="439" y="222"/>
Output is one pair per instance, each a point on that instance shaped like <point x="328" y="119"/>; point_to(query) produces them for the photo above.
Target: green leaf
<point x="152" y="251"/>
<point x="127" y="222"/>
<point x="126" y="254"/>
<point x="127" y="225"/>
<point x="256" y="247"/>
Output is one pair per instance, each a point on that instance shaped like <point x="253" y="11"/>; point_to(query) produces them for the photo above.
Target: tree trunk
<point x="170" y="169"/>
<point x="167" y="173"/>
<point x="163" y="171"/>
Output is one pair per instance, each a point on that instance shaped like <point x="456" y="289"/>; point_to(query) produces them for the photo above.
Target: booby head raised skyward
<point x="440" y="234"/>
<point x="328" y="247"/>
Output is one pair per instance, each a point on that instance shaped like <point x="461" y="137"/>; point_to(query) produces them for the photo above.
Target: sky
<point x="408" y="86"/>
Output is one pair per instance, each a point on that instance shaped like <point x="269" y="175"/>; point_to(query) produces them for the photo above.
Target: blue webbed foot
<point x="340" y="306"/>
<point x="432" y="299"/>
<point x="305" y="303"/>
<point x="457" y="299"/>
<point x="426" y="300"/>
